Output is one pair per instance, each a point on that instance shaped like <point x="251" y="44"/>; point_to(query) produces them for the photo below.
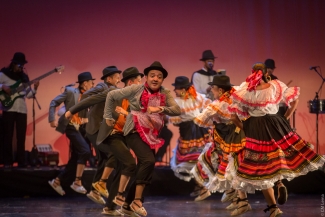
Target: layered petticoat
<point x="213" y="161"/>
<point x="272" y="152"/>
<point x="189" y="146"/>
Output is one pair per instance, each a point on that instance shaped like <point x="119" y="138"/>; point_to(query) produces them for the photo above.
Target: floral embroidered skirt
<point x="272" y="152"/>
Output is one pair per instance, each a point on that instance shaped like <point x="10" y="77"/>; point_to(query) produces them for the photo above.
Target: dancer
<point x="92" y="98"/>
<point x="80" y="151"/>
<point x="148" y="104"/>
<point x="192" y="138"/>
<point x="227" y="138"/>
<point x="273" y="151"/>
<point x="110" y="139"/>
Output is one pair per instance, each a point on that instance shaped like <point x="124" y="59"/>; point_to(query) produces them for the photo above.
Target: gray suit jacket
<point x="133" y="94"/>
<point x="69" y="97"/>
<point x="94" y="98"/>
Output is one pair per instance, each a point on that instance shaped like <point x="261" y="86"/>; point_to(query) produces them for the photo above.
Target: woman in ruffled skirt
<point x="211" y="167"/>
<point x="193" y="138"/>
<point x="273" y="151"/>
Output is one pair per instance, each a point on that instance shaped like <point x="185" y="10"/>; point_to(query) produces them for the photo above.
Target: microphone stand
<point x="34" y="149"/>
<point x="318" y="108"/>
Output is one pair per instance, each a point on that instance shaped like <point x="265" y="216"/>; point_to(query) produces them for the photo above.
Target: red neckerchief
<point x="147" y="92"/>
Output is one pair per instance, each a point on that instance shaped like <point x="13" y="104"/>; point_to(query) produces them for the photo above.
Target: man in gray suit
<point x="130" y="76"/>
<point x="147" y="104"/>
<point x="80" y="150"/>
<point x="95" y="98"/>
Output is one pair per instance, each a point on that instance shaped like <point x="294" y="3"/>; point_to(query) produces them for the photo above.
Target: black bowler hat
<point x="130" y="73"/>
<point x="19" y="58"/>
<point x="156" y="66"/>
<point x="109" y="70"/>
<point x="84" y="76"/>
<point x="207" y="55"/>
<point x="182" y="82"/>
<point x="270" y="64"/>
<point x="221" y="80"/>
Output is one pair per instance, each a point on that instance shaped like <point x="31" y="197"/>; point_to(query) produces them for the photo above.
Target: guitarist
<point x="15" y="115"/>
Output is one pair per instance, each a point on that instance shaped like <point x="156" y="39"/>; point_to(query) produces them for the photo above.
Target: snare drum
<point x="316" y="106"/>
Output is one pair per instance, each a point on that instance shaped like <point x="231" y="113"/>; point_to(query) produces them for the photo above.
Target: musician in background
<point x="15" y="116"/>
<point x="205" y="75"/>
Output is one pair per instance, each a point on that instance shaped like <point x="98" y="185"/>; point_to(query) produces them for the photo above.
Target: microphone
<point x="210" y="65"/>
<point x="313" y="67"/>
<point x="69" y="85"/>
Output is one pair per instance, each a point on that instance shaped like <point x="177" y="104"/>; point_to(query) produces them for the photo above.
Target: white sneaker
<point x="78" y="188"/>
<point x="56" y="187"/>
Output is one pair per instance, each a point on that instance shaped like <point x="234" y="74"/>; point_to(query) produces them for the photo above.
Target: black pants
<point x="80" y="151"/>
<point x="145" y="156"/>
<point x="104" y="160"/>
<point x="11" y="121"/>
<point x="115" y="144"/>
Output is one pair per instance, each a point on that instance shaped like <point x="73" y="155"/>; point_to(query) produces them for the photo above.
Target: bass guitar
<point x="7" y="100"/>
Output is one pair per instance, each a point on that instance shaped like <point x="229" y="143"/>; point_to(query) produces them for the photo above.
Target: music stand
<point x="316" y="99"/>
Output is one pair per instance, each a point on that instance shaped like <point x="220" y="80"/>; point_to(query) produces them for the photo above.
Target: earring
<point x="182" y="93"/>
<point x="268" y="78"/>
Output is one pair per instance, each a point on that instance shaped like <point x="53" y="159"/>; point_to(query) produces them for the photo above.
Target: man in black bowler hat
<point x="201" y="77"/>
<point x="80" y="150"/>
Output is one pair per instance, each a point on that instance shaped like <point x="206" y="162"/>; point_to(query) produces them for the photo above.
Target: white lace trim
<point x="250" y="186"/>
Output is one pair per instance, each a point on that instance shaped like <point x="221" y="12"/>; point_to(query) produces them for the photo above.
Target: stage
<point x="33" y="182"/>
<point x="298" y="205"/>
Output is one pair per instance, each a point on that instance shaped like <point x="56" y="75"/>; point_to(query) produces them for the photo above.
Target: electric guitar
<point x="7" y="100"/>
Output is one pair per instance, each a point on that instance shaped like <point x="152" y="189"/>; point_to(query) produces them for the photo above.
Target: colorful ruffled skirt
<point x="272" y="152"/>
<point x="189" y="146"/>
<point x="212" y="164"/>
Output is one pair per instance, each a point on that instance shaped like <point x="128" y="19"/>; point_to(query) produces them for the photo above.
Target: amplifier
<point x="47" y="156"/>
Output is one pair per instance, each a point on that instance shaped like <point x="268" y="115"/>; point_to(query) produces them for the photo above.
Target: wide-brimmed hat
<point x="207" y="55"/>
<point x="19" y="58"/>
<point x="182" y="82"/>
<point x="259" y="66"/>
<point x="221" y="80"/>
<point x="270" y="63"/>
<point x="130" y="73"/>
<point x="84" y="76"/>
<point x="109" y="70"/>
<point x="156" y="66"/>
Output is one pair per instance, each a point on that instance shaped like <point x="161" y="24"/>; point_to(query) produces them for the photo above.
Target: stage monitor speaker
<point x="47" y="156"/>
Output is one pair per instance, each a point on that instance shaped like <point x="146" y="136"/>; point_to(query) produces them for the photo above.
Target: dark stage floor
<point x="301" y="205"/>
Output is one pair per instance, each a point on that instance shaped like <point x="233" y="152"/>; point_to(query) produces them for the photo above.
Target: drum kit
<point x="317" y="106"/>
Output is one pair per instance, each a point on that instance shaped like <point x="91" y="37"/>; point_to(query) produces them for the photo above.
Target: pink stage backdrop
<point x="90" y="35"/>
